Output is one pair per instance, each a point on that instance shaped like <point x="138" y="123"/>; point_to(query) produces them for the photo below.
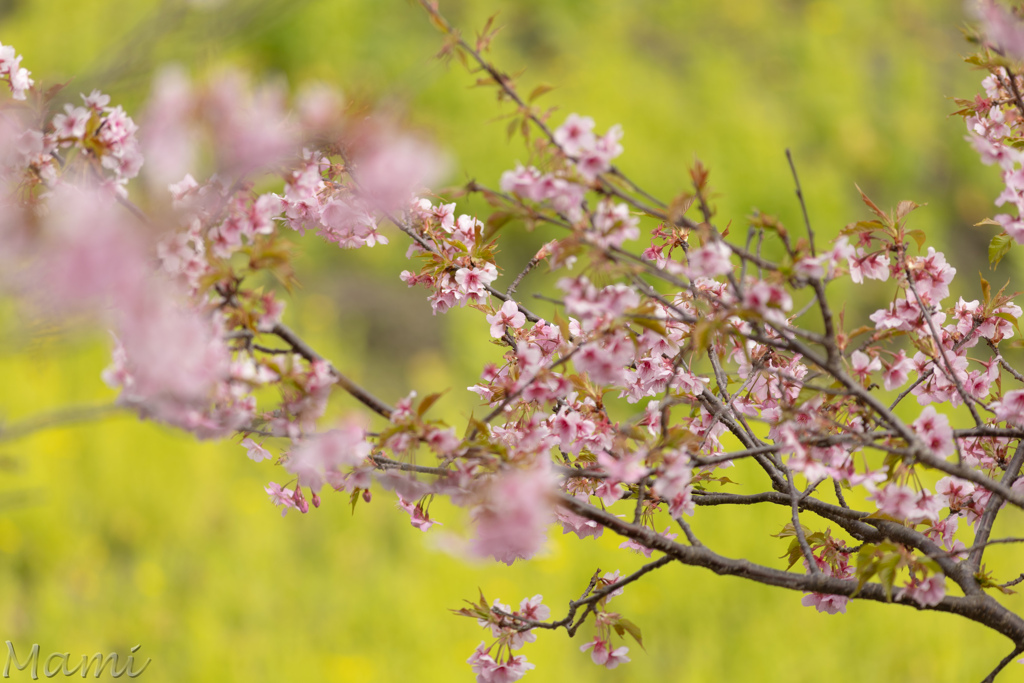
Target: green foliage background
<point x="121" y="533"/>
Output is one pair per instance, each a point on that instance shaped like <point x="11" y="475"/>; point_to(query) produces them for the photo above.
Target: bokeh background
<point x="118" y="533"/>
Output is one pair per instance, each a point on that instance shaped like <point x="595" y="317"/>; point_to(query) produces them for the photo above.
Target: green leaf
<point x="428" y="402"/>
<point x="653" y="325"/>
<point x="861" y="226"/>
<point x="1010" y="319"/>
<point x="632" y="629"/>
<point x="887" y="573"/>
<point x="918" y="236"/>
<point x="871" y="205"/>
<point x="905" y="207"/>
<point x="867" y="565"/>
<point x="794" y="552"/>
<point x="495" y="222"/>
<point x="539" y="90"/>
<point x="788" y="530"/>
<point x="986" y="290"/>
<point x="475" y="424"/>
<point x="986" y="581"/>
<point x="563" y="326"/>
<point x="817" y="538"/>
<point x="702" y="335"/>
<point x="998" y="248"/>
<point x="512" y="128"/>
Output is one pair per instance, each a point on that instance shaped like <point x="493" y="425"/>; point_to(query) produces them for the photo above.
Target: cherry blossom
<point x="255" y="451"/>
<point x="927" y="592"/>
<point x="659" y="370"/>
<point x="1011" y="407"/>
<point x="603" y="655"/>
<point x="512" y="524"/>
<point x="509" y="314"/>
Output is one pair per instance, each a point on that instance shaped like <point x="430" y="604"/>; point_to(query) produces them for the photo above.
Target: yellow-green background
<point x="124" y="533"/>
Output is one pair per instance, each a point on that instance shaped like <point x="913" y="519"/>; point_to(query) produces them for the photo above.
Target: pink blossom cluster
<point x="592" y="154"/>
<point x="14" y="73"/>
<point x="511" y="630"/>
<point x="586" y="156"/>
<point x="991" y="129"/>
<point x="459" y="267"/>
<point x="624" y="411"/>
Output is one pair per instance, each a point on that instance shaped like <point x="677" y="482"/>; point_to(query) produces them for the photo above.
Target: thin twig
<point x="800" y="196"/>
<point x="306" y="351"/>
<point x="995" y="503"/>
<point x="62" y="417"/>
<point x="1002" y="664"/>
<point x="812" y="562"/>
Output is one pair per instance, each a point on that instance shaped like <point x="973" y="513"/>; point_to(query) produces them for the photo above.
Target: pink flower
<point x="171" y="359"/>
<point x="637" y="547"/>
<point x="768" y="300"/>
<point x="72" y="123"/>
<point x="393" y="166"/>
<point x="628" y="468"/>
<point x="898" y="372"/>
<point x="250" y="129"/>
<point x="255" y="451"/>
<point x="318" y="460"/>
<point x="863" y="365"/>
<point x="602" y="656"/>
<point x="1011" y="408"/>
<point x="419" y="518"/>
<point x="17" y="77"/>
<point x="280" y="497"/>
<point x="606" y="362"/>
<point x="513" y="518"/>
<point x="94" y="257"/>
<point x="609" y="579"/>
<point x="1002" y="28"/>
<point x="955" y="493"/>
<point x="598" y="160"/>
<point x="576" y="135"/>
<point x="710" y="260"/>
<point x="525" y="182"/>
<point x="472" y="282"/>
<point x="509" y="314"/>
<point x="932" y="275"/>
<point x="489" y="671"/>
<point x="614" y="224"/>
<point x="573" y="523"/>
<point x="896" y="501"/>
<point x="674" y="484"/>
<point x="874" y="266"/>
<point x="928" y="592"/>
<point x="934" y="430"/>
<point x="443" y="441"/>
<point x="534" y="608"/>
<point x="823" y="602"/>
<point x="349" y="224"/>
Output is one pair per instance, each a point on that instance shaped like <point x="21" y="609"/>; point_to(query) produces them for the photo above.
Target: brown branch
<point x="978" y="607"/>
<point x="306" y="351"/>
<point x="995" y="502"/>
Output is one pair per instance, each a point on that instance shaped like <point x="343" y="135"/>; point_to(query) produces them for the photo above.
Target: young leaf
<point x="918" y="236"/>
<point x="539" y="91"/>
<point x="632" y="629"/>
<point x="428" y="402"/>
<point x="871" y="205"/>
<point x="998" y="248"/>
<point x="905" y="207"/>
